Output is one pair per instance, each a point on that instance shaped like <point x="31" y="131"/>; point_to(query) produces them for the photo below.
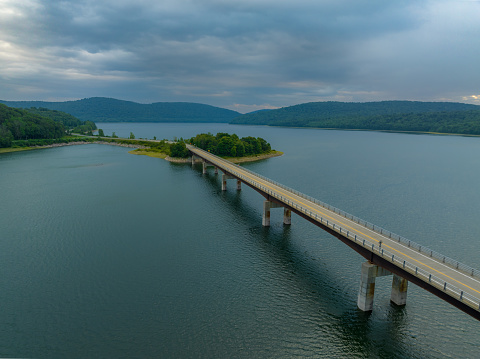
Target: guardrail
<point x="433" y="280"/>
<point x="465" y="297"/>
<point x="409" y="243"/>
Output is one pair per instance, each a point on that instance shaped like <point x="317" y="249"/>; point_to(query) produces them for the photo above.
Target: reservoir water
<point x="105" y="254"/>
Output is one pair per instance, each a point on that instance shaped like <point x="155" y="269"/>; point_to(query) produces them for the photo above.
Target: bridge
<point x="386" y="253"/>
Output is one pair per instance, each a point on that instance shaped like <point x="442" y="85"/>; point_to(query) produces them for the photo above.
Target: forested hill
<point x="101" y="109"/>
<point x="66" y="119"/>
<point x="442" y="117"/>
<point x="18" y="124"/>
<point x="24" y="125"/>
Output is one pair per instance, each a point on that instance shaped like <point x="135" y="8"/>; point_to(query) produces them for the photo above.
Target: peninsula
<point x="230" y="147"/>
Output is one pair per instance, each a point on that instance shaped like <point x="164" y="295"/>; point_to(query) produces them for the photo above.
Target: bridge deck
<point x="454" y="279"/>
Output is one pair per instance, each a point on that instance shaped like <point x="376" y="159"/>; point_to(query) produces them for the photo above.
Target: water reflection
<point x="362" y="334"/>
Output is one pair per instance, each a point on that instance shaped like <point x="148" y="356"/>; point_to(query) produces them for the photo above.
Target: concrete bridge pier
<point x="207" y="164"/>
<point x="194" y="159"/>
<point x="216" y="170"/>
<point x="267" y="205"/>
<point x="239" y="185"/>
<point x="224" y="181"/>
<point x="399" y="290"/>
<point x="287" y="216"/>
<point x="366" y="292"/>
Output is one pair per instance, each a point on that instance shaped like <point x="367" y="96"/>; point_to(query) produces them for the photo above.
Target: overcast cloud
<point x="240" y="54"/>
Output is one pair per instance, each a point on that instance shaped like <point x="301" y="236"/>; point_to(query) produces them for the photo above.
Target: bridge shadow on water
<point x="380" y="334"/>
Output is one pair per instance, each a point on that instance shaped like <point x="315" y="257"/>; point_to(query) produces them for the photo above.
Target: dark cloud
<point x="250" y="53"/>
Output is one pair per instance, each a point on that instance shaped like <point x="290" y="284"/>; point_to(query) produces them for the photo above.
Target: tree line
<point x="223" y="144"/>
<point x="440" y="117"/>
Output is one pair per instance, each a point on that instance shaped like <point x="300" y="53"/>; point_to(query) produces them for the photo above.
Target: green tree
<point x="224" y="144"/>
<point x="264" y="145"/>
<point x="258" y="146"/>
<point x="240" y="149"/>
<point x="224" y="147"/>
<point x="114" y="135"/>
<point x="100" y="133"/>
<point x="132" y="136"/>
<point x="6" y="137"/>
<point x="250" y="145"/>
<point x="220" y="135"/>
<point x="179" y="149"/>
<point x="87" y="127"/>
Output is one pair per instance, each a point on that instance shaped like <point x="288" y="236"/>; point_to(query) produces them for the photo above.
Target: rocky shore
<point x="178" y="160"/>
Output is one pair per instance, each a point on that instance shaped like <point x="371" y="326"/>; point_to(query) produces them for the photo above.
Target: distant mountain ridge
<point x="442" y="117"/>
<point x="102" y="109"/>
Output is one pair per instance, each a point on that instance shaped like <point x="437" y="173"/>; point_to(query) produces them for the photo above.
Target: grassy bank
<point x="148" y="152"/>
<point x="15" y="149"/>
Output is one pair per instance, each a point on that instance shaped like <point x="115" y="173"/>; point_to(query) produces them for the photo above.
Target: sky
<point x="244" y="55"/>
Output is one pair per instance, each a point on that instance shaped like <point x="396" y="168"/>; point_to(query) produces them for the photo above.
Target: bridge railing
<point x="449" y="288"/>
<point x="409" y="243"/>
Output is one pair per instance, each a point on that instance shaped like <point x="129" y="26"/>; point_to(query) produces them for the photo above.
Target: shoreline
<point x="367" y="130"/>
<point x="265" y="156"/>
<point x="74" y="143"/>
<point x="137" y="150"/>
